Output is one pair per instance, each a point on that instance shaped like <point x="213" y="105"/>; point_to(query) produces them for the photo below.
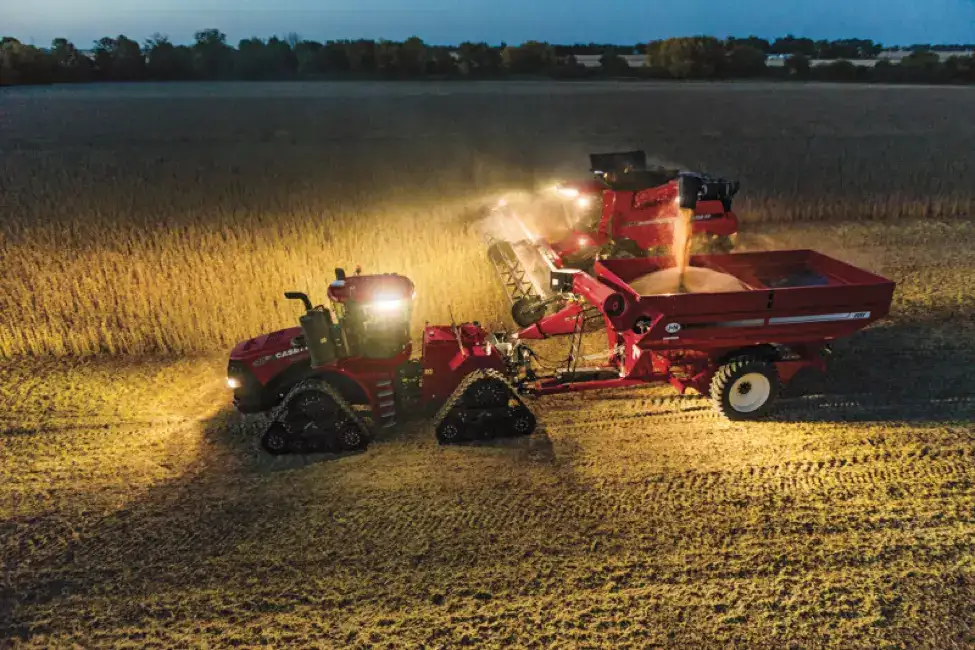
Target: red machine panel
<point x="791" y="296"/>
<point x="450" y="353"/>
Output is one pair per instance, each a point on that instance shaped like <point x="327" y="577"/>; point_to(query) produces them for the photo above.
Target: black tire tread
<point x="726" y="375"/>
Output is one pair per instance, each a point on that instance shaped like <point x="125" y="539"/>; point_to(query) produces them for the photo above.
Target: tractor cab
<point x="374" y="312"/>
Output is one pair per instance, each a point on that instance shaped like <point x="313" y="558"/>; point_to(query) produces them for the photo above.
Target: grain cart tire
<point x="745" y="388"/>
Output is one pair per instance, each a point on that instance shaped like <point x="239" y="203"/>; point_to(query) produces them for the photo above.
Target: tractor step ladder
<point x="386" y="397"/>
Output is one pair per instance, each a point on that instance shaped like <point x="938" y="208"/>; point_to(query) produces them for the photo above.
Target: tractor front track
<point x="314" y="417"/>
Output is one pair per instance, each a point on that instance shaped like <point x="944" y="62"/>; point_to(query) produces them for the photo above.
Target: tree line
<point x="210" y="57"/>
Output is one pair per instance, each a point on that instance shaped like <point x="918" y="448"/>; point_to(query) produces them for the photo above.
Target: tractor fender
<point x="348" y="386"/>
<point x="345" y="383"/>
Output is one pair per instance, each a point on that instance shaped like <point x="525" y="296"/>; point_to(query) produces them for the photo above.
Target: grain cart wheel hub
<point x="745" y="387"/>
<point x="750" y="392"/>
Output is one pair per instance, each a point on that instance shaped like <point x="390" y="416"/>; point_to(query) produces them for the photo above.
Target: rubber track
<point x="320" y="385"/>
<point x="466" y="383"/>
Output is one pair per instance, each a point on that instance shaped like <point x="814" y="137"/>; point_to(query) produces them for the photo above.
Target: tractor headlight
<point x="568" y="192"/>
<point x="584" y="201"/>
<point x="387" y="306"/>
<point x="233" y="383"/>
<point x="388" y="303"/>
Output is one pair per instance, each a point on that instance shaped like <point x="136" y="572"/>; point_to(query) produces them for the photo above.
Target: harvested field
<point x="144" y="229"/>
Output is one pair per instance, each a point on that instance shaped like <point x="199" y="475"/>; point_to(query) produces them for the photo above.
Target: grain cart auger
<point x="626" y="210"/>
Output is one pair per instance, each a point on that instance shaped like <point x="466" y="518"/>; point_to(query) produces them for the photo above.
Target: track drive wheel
<point x="350" y="436"/>
<point x="745" y="388"/>
<point x="450" y="431"/>
<point x="523" y="423"/>
<point x="276" y="439"/>
<point x="487" y="392"/>
<point x="314" y="417"/>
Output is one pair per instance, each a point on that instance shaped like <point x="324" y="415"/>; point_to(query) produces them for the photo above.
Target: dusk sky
<point x="452" y="21"/>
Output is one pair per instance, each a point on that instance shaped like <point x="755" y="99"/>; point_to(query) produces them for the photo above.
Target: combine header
<point x="318" y="381"/>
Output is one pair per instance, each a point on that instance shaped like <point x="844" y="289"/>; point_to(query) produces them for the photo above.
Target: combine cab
<point x="628" y="210"/>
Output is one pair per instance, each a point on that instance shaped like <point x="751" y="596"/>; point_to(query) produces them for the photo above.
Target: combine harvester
<point x="626" y="210"/>
<point x="738" y="346"/>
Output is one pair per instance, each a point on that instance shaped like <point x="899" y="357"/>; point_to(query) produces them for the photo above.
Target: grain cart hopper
<point x="737" y="345"/>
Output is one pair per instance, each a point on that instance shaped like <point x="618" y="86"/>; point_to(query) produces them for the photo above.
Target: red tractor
<point x="319" y="380"/>
<point x="316" y="379"/>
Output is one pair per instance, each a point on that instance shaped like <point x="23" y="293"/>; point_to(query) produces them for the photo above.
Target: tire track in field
<point x="910" y="473"/>
<point x="815" y="408"/>
<point x="568" y="507"/>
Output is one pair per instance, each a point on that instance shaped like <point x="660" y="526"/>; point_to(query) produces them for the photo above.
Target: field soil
<point x="144" y="229"/>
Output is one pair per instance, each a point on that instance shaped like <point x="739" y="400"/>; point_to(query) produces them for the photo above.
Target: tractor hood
<point x="266" y="344"/>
